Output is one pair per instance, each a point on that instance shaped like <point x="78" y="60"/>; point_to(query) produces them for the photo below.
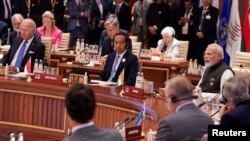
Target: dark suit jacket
<point x="3" y="32"/>
<point x="13" y="35"/>
<point x="187" y="124"/>
<point x="124" y="16"/>
<point x="96" y="11"/>
<point x="35" y="10"/>
<point x="92" y="133"/>
<point x="209" y="22"/>
<point x="129" y="63"/>
<point x="58" y="11"/>
<point x="191" y="32"/>
<point x="75" y="15"/>
<point x="2" y="12"/>
<point x="36" y="46"/>
<point x="239" y="115"/>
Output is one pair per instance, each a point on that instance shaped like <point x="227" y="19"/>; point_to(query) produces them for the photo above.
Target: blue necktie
<point x="19" y="58"/>
<point x="113" y="71"/>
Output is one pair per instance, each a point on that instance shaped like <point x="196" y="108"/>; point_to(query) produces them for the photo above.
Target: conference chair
<point x="184" y="49"/>
<point x="47" y="41"/>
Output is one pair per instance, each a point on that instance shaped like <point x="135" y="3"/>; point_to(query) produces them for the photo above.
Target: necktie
<point x="7" y="9"/>
<point x="113" y="71"/>
<point x="117" y="9"/>
<point x="202" y="17"/>
<point x="141" y="7"/>
<point x="99" y="4"/>
<point x="19" y="58"/>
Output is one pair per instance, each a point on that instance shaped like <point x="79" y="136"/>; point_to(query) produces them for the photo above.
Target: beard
<point x="210" y="64"/>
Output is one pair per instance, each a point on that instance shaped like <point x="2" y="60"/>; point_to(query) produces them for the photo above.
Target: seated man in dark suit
<point x="80" y="104"/>
<point x="20" y="51"/>
<point x="16" y="21"/>
<point x="120" y="59"/>
<point x="106" y="42"/>
<point x="3" y="32"/>
<point x="186" y="122"/>
<point x="236" y="97"/>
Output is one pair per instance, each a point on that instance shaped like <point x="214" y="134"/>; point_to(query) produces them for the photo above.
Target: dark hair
<point x="126" y="38"/>
<point x="192" y="1"/>
<point x="80" y="103"/>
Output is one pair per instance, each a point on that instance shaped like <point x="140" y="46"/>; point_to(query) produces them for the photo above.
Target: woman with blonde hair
<point x="49" y="29"/>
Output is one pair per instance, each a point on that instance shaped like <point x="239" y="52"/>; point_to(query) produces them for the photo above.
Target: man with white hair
<point x="169" y="45"/>
<point x="20" y="51"/>
<point x="16" y="21"/>
<point x="216" y="72"/>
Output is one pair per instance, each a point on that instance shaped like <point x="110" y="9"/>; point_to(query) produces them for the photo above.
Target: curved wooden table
<point x="37" y="109"/>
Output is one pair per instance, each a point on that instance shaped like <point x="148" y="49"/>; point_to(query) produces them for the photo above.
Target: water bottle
<point x="150" y="135"/>
<point x="85" y="78"/>
<point x="36" y="66"/>
<point x="190" y="67"/>
<point x="77" y="45"/>
<point x="40" y="66"/>
<point x="12" y="137"/>
<point x="82" y="45"/>
<point x="20" y="136"/>
<point x="137" y="81"/>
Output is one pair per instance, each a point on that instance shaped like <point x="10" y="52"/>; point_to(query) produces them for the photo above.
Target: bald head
<point x="28" y="29"/>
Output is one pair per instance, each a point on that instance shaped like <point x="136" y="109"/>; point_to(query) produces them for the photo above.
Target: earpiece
<point x="173" y="98"/>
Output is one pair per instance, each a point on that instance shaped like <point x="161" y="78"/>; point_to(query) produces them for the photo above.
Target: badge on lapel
<point x="208" y="17"/>
<point x="212" y="80"/>
<point x="123" y="60"/>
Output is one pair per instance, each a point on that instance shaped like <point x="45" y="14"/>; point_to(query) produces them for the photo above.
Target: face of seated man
<point x="28" y="29"/>
<point x="120" y="43"/>
<point x="111" y="30"/>
<point x="211" y="56"/>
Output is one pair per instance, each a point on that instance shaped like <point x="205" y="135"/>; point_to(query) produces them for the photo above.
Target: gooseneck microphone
<point x="122" y="122"/>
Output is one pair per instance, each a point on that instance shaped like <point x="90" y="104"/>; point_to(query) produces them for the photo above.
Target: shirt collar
<point x="77" y="127"/>
<point x="186" y="102"/>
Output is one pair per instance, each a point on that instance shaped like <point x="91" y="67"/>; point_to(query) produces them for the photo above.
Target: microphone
<point x="128" y="121"/>
<point x="122" y="122"/>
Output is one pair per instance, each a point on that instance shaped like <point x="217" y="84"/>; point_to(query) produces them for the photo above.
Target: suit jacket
<point x="13" y="35"/>
<point x="36" y="46"/>
<point x="56" y="34"/>
<point x="191" y="33"/>
<point x="124" y="16"/>
<point x="92" y="133"/>
<point x="96" y="12"/>
<point x="189" y="123"/>
<point x="35" y="10"/>
<point x="3" y="32"/>
<point x="58" y="11"/>
<point x="173" y="48"/>
<point x="2" y="11"/>
<point x="238" y="116"/>
<point x="104" y="35"/>
<point x="208" y="24"/>
<point x="138" y="14"/>
<point x="129" y="63"/>
<point x="75" y="15"/>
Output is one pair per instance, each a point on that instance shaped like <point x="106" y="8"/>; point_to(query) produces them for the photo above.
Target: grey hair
<point x="31" y="23"/>
<point x="113" y="21"/>
<point x="235" y="90"/>
<point x="181" y="86"/>
<point x="218" y="49"/>
<point x="17" y="16"/>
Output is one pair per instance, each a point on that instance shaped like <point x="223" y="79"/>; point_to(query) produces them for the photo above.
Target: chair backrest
<point x="133" y="38"/>
<point x="47" y="41"/>
<point x="65" y="40"/>
<point x="241" y="59"/>
<point x="136" y="48"/>
<point x="184" y="49"/>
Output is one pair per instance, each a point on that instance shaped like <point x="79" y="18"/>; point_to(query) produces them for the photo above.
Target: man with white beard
<point x="216" y="72"/>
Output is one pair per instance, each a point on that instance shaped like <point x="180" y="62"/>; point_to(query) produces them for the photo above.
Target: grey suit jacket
<point x="188" y="124"/>
<point x="92" y="133"/>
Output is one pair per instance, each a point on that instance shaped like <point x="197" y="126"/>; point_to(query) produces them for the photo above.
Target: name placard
<point x="134" y="92"/>
<point x="133" y="133"/>
<point x="48" y="78"/>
